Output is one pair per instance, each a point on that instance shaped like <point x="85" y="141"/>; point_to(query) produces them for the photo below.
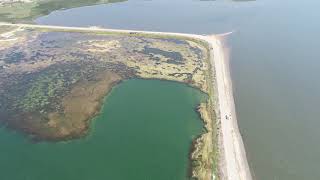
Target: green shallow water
<point x="144" y="131"/>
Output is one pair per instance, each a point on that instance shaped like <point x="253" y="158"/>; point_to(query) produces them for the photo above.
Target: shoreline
<point x="234" y="160"/>
<point x="233" y="163"/>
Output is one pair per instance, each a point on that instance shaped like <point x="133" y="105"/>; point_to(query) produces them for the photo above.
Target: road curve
<point x="235" y="165"/>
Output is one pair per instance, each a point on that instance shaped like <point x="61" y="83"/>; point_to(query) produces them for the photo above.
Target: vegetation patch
<point x="52" y="83"/>
<point x="26" y="11"/>
<point x="41" y="77"/>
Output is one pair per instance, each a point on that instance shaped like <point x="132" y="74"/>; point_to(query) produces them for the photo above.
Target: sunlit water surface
<point x="274" y="61"/>
<point x="144" y="131"/>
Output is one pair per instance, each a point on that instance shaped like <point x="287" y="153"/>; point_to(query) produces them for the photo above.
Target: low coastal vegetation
<point x="40" y="69"/>
<point x="27" y="10"/>
<point x="52" y="83"/>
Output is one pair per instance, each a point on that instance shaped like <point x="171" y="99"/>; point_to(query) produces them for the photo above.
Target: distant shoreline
<point x="233" y="161"/>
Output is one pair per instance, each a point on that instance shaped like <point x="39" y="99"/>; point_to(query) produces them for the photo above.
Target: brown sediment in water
<point x="79" y="107"/>
<point x="123" y="60"/>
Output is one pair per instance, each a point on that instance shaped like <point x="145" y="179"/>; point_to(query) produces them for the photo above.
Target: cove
<point x="144" y="131"/>
<point x="274" y="61"/>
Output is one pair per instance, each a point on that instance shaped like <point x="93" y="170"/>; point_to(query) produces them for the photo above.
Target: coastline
<point x="232" y="157"/>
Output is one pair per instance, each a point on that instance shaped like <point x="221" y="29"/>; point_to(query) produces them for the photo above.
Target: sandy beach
<point x="233" y="161"/>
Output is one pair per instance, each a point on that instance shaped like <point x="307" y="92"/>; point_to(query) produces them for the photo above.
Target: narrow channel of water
<point x="274" y="62"/>
<point x="144" y="131"/>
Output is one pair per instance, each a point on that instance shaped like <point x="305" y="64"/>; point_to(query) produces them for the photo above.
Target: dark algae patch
<point x="144" y="131"/>
<point x="173" y="57"/>
<point x="52" y="83"/>
<point x="52" y="89"/>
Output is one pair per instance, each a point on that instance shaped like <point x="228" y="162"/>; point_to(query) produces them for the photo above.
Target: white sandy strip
<point x="10" y="33"/>
<point x="234" y="154"/>
<point x="6" y="40"/>
<point x="235" y="165"/>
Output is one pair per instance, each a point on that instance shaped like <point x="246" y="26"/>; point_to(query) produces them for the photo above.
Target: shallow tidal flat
<point x="53" y="85"/>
